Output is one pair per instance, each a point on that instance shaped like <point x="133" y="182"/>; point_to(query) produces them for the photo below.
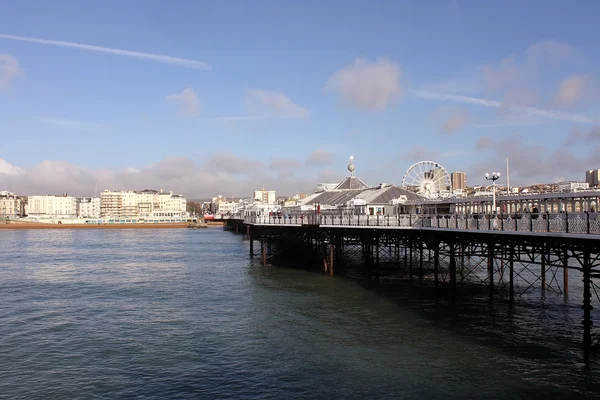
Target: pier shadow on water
<point x="540" y="333"/>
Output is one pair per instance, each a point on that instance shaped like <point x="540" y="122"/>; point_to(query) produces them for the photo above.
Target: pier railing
<point x="573" y="223"/>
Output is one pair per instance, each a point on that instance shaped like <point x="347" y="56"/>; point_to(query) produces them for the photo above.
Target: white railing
<point x="574" y="223"/>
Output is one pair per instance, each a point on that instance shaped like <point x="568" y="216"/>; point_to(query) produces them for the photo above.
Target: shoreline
<point x="38" y="225"/>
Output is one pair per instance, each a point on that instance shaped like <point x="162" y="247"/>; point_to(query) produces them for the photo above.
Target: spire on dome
<point x="351" y="166"/>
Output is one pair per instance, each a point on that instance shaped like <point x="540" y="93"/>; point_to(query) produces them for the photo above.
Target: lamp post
<point x="493" y="177"/>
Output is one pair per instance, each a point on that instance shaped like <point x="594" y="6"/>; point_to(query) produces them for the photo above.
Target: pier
<point x="507" y="255"/>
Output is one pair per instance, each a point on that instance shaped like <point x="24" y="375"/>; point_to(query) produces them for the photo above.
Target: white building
<point x="145" y="203"/>
<point x="88" y="207"/>
<point x="170" y="205"/>
<point x="52" y="206"/>
<point x="321" y="187"/>
<point x="220" y="205"/>
<point x="265" y="196"/>
<point x="10" y="205"/>
<point x="573" y="186"/>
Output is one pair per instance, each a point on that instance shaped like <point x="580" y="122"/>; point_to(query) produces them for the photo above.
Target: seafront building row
<point x="114" y="204"/>
<point x="353" y="197"/>
<point x="422" y="193"/>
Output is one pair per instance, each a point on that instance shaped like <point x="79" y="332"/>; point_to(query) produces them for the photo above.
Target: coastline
<point x="38" y="225"/>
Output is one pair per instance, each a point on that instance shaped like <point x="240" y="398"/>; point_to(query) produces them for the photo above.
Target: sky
<point x="211" y="98"/>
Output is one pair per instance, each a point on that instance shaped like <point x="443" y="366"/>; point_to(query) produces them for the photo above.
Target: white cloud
<point x="7" y="168"/>
<point x="9" y="70"/>
<point x="284" y="164"/>
<point x="241" y="118"/>
<point x="219" y="173"/>
<point x="551" y="51"/>
<point x="70" y="123"/>
<point x="452" y="119"/>
<point x="552" y="114"/>
<point x="517" y="71"/>
<point x="274" y="103"/>
<point x="502" y="75"/>
<point x="186" y="100"/>
<point x="572" y="90"/>
<point x="319" y="157"/>
<point x="179" y="62"/>
<point x="454" y="153"/>
<point x="531" y="161"/>
<point x="367" y="85"/>
<point x="233" y="164"/>
<point x="420" y="153"/>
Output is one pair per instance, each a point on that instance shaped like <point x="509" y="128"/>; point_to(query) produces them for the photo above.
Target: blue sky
<point x="281" y="93"/>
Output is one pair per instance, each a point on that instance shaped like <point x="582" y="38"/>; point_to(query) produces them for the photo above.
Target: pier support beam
<point x="565" y="274"/>
<point x="491" y="268"/>
<point x="436" y="261"/>
<point x="543" y="268"/>
<point x="587" y="302"/>
<point x="452" y="269"/>
<point x="511" y="272"/>
<point x="251" y="243"/>
<point x="377" y="257"/>
<point x="410" y="260"/>
<point x="331" y="250"/>
<point x="421" y="259"/>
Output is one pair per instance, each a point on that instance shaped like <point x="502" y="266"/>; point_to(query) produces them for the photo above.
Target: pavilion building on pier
<point x="353" y="196"/>
<point x="586" y="201"/>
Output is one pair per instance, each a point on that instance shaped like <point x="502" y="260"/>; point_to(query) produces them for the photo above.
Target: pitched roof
<point x="386" y="194"/>
<point x="376" y="195"/>
<point x="351" y="182"/>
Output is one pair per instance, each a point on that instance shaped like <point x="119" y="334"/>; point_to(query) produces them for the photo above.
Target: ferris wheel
<point x="427" y="178"/>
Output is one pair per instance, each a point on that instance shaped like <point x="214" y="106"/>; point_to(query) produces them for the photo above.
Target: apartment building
<point x="265" y="196"/>
<point x="144" y="203"/>
<point x="63" y="206"/>
<point x="88" y="207"/>
<point x="591" y="177"/>
<point x="459" y="180"/>
<point x="221" y="205"/>
<point x="10" y="205"/>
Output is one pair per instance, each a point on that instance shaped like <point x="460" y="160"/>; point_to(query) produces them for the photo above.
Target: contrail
<point x="180" y="62"/>
<point x="241" y="118"/>
<point x="424" y="94"/>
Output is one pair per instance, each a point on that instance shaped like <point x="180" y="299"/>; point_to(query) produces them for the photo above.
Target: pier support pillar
<point x="436" y="261"/>
<point x="421" y="258"/>
<point x="565" y="273"/>
<point x="331" y="248"/>
<point x="543" y="268"/>
<point x="587" y="302"/>
<point x="377" y="257"/>
<point x="263" y="252"/>
<point x="491" y="268"/>
<point x="251" y="243"/>
<point x="511" y="272"/>
<point x="452" y="269"/>
<point x="462" y="262"/>
<point x="410" y="259"/>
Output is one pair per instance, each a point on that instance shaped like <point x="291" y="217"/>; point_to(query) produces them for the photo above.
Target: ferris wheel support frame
<point x="427" y="187"/>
